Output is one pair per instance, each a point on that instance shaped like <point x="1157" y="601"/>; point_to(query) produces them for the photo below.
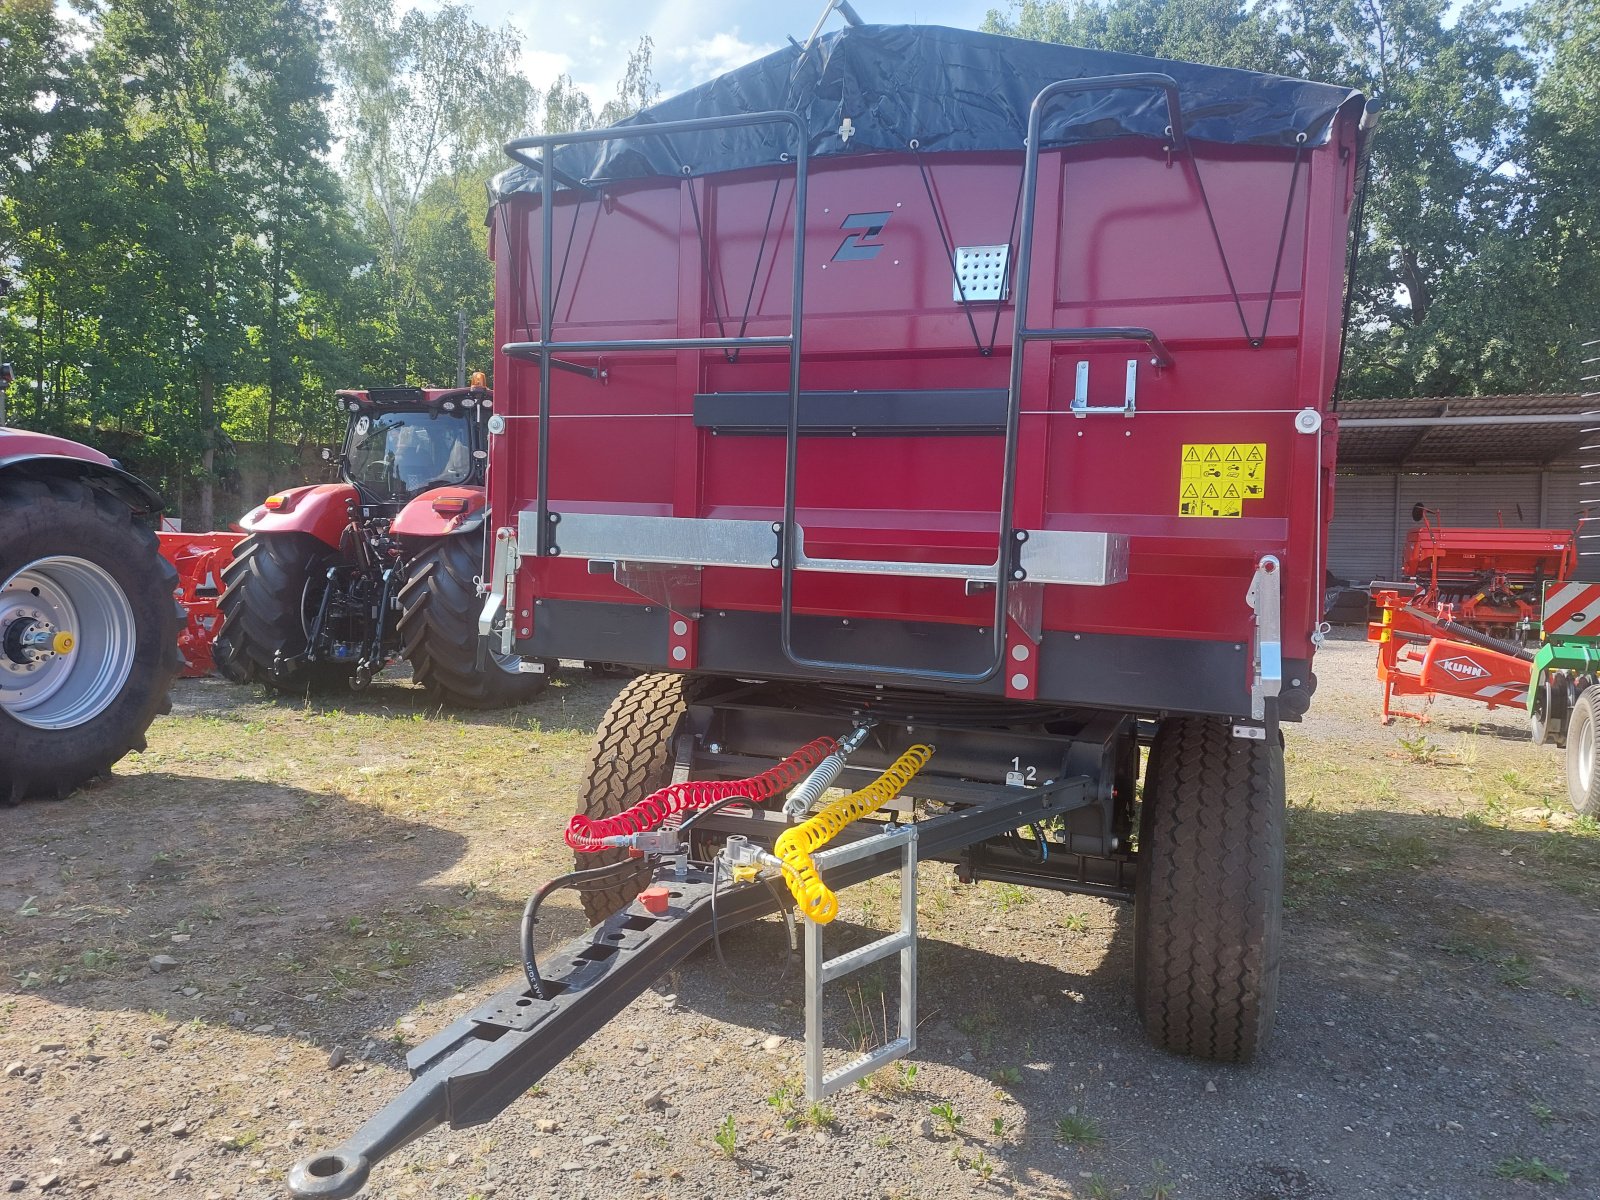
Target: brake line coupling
<point x="810" y="789"/>
<point x="744" y="861"/>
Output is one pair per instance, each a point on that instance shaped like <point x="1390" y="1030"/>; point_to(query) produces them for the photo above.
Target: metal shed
<point x="1480" y="460"/>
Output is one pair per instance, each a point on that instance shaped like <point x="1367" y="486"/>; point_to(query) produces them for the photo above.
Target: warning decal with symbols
<point x="1218" y="477"/>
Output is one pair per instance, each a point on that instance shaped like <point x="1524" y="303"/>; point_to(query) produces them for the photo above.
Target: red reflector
<point x="451" y="506"/>
<point x="278" y="503"/>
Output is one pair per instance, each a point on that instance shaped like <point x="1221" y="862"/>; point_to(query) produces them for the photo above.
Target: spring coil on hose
<point x="584" y="833"/>
<point x="796" y="845"/>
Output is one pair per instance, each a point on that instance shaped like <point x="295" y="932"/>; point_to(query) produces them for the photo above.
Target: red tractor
<point x="88" y="629"/>
<point x="336" y="581"/>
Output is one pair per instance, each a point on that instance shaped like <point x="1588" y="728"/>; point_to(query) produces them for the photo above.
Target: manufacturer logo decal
<point x="1463" y="668"/>
<point x="858" y="247"/>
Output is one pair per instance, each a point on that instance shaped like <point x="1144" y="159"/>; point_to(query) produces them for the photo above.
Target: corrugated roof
<point x="1462" y="431"/>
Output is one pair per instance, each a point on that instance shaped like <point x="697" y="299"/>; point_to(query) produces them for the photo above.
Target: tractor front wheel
<point x="633" y="756"/>
<point x="1209" y="897"/>
<point x="1583" y="756"/>
<point x="439" y="628"/>
<point x="272" y="591"/>
<point x="88" y="635"/>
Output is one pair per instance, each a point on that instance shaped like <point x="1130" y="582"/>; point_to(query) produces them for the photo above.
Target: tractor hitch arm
<point x="472" y="1070"/>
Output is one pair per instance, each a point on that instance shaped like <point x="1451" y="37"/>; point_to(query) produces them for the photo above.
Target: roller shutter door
<point x="1361" y="535"/>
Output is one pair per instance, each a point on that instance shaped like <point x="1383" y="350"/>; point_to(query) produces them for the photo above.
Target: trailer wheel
<point x="88" y="635"/>
<point x="632" y="757"/>
<point x="1583" y="756"/>
<point x="439" y="629"/>
<point x="269" y="601"/>
<point x="1209" y="898"/>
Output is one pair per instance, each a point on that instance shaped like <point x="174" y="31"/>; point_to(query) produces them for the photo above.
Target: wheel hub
<point x="67" y="636"/>
<point x="30" y="639"/>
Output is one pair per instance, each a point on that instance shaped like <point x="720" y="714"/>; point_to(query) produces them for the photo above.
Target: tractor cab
<point x="401" y="442"/>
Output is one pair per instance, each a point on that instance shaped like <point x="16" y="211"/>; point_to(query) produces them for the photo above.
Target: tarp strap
<point x="705" y="267"/>
<point x="1283" y="237"/>
<point x="1011" y="256"/>
<point x="950" y="254"/>
<point x="567" y="254"/>
<point x="755" y="271"/>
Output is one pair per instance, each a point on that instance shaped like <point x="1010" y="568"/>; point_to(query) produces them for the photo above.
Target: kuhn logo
<point x="1463" y="668"/>
<point x="858" y="247"/>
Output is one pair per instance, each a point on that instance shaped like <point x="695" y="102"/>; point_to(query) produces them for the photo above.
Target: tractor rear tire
<point x="439" y="629"/>
<point x="267" y="590"/>
<point x="71" y="553"/>
<point x="633" y="756"/>
<point x="1583" y="756"/>
<point x="1209" y="898"/>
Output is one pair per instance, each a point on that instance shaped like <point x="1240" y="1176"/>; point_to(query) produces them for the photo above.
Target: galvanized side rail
<point x="469" y="1072"/>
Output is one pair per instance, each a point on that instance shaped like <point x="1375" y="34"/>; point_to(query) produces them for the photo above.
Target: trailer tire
<point x="1583" y="756"/>
<point x="439" y="630"/>
<point x="633" y="756"/>
<point x="264" y="591"/>
<point x="1209" y="896"/>
<point x="72" y="549"/>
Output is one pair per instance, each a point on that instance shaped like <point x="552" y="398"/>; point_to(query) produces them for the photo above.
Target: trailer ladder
<point x="821" y="971"/>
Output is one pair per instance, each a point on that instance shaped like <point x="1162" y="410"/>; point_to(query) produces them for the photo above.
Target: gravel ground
<point x="275" y="888"/>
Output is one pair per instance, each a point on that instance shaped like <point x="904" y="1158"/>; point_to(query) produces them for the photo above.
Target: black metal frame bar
<point x="469" y="1072"/>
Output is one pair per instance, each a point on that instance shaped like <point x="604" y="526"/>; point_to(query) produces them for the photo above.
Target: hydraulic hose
<point x="796" y="845"/>
<point x="530" y="913"/>
<point x="585" y="833"/>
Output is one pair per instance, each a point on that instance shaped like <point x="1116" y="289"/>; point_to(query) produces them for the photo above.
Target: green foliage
<point x="945" y="1113"/>
<point x="1480" y="255"/>
<point x="191" y="271"/>
<point x="1529" y="1170"/>
<point x="727" y="1137"/>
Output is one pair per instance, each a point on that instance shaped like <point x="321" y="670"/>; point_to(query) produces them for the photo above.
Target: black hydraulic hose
<point x="711" y="808"/>
<point x="530" y="912"/>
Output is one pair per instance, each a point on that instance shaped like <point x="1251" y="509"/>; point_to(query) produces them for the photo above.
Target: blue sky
<point x="694" y="39"/>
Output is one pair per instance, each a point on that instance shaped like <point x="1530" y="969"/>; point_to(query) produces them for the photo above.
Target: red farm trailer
<point x="939" y="416"/>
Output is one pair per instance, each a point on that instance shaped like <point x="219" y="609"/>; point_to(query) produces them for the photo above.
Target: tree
<point x="1441" y="174"/>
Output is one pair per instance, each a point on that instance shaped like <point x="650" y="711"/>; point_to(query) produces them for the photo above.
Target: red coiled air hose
<point x="584" y="833"/>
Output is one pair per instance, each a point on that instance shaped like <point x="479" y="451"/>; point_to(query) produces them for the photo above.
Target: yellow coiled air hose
<point x="796" y="845"/>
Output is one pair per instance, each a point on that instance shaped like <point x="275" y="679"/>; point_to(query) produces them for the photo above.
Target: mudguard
<point x="322" y="510"/>
<point x="421" y="519"/>
<point x="43" y="454"/>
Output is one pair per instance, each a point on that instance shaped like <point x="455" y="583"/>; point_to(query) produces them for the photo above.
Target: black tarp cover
<point x="949" y="90"/>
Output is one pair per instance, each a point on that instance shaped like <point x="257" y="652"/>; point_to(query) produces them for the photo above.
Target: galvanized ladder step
<point x="820" y="971"/>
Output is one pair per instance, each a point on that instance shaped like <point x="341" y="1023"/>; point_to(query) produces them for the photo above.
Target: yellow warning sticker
<point x="1218" y="477"/>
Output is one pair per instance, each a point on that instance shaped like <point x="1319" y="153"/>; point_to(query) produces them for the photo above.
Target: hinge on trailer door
<point x="1266" y="668"/>
<point x="499" y="606"/>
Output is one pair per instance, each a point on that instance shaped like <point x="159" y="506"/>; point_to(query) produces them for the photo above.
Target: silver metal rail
<point x="820" y="971"/>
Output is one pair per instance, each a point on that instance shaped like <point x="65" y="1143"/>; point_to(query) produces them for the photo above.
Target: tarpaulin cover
<point x="947" y="90"/>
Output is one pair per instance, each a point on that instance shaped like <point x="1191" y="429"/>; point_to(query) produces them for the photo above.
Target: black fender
<point x="113" y="480"/>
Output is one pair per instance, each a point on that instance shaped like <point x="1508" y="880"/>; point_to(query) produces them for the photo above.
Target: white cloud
<point x="704" y="58"/>
<point x="542" y="66"/>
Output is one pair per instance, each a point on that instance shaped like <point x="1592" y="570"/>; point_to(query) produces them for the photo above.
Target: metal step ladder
<point x="820" y="971"/>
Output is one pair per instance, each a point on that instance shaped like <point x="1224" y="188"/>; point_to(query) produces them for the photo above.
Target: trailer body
<point x="1153" y="475"/>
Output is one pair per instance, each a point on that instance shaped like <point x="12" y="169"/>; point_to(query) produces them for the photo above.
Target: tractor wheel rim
<point x="511" y="664"/>
<point x="65" y="690"/>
